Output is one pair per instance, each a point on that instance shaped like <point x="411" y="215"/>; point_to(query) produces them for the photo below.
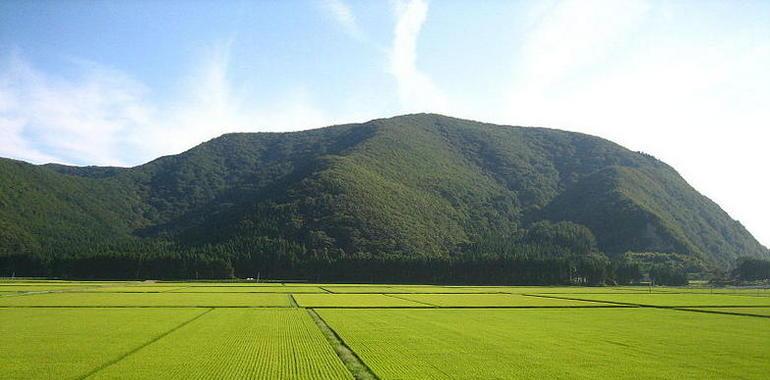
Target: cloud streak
<point x="344" y="17"/>
<point x="416" y="91"/>
<point x="69" y="120"/>
<point x="104" y="117"/>
<point x="697" y="102"/>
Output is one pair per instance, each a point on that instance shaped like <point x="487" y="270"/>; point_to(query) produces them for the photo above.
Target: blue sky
<point x="120" y="83"/>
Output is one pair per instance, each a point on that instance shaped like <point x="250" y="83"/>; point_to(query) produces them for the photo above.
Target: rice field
<point x="131" y="289"/>
<point x="220" y="284"/>
<point x="570" y="290"/>
<point x="352" y="300"/>
<point x="761" y="292"/>
<point x="39" y="288"/>
<point x="554" y="343"/>
<point x="236" y="344"/>
<point x="75" y="299"/>
<point x="70" y="343"/>
<point x="758" y="311"/>
<point x="495" y="300"/>
<point x="673" y="299"/>
<point x="397" y="289"/>
<point x="248" y="289"/>
<point x="230" y="330"/>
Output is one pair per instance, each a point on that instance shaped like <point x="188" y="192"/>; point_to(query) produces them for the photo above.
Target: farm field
<point x="73" y="299"/>
<point x="493" y="300"/>
<point x="220" y="284"/>
<point x="131" y="289"/>
<point x="248" y="289"/>
<point x="569" y="290"/>
<point x="554" y="343"/>
<point x="758" y="311"/>
<point x="761" y="292"/>
<point x="352" y="300"/>
<point x="673" y="299"/>
<point x="70" y="343"/>
<point x="62" y="282"/>
<point x="144" y="330"/>
<point x="40" y="288"/>
<point x="395" y="289"/>
<point x="237" y="344"/>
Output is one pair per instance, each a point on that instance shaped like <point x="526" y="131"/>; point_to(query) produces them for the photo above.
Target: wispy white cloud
<point x="104" y="117"/>
<point x="697" y="102"/>
<point x="566" y="39"/>
<point x="416" y="90"/>
<point x="81" y="117"/>
<point x="343" y="15"/>
<point x="13" y="144"/>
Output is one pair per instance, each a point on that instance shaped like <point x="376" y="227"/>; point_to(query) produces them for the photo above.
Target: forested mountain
<point x="411" y="197"/>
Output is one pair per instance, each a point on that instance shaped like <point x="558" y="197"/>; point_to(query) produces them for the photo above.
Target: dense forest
<point x="416" y="198"/>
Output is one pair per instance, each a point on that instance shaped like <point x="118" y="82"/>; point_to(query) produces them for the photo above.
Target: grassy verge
<point x="354" y="364"/>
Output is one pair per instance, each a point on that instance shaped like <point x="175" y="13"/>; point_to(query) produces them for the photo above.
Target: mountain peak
<point x="418" y="185"/>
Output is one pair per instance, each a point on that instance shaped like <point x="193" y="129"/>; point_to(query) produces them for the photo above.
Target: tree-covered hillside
<point x="418" y="196"/>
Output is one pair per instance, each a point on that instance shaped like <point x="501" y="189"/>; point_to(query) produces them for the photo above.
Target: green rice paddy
<point x="495" y="300"/>
<point x="352" y="300"/>
<point x="248" y="289"/>
<point x="236" y="344"/>
<point x="673" y="300"/>
<point x="554" y="343"/>
<point x="758" y="311"/>
<point x="70" y="343"/>
<point x="228" y="330"/>
<point x="73" y="299"/>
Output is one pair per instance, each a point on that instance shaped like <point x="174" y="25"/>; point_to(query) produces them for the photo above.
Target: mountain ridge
<point x="421" y="185"/>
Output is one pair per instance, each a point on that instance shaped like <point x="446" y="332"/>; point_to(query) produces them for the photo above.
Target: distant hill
<point x="417" y="186"/>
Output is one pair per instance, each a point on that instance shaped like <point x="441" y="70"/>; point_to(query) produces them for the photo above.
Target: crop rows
<point x="248" y="330"/>
<point x="352" y="300"/>
<point x="553" y="343"/>
<point x="674" y="300"/>
<point x="68" y="343"/>
<point x="494" y="300"/>
<point x="249" y="289"/>
<point x="406" y="289"/>
<point x="37" y="288"/>
<point x="237" y="344"/>
<point x="148" y="300"/>
<point x="758" y="311"/>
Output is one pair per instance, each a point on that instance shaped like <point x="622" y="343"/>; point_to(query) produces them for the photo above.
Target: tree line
<point x="545" y="254"/>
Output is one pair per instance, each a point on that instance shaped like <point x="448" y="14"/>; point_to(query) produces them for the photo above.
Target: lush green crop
<point x="764" y="292"/>
<point x="237" y="344"/>
<point x="575" y="290"/>
<point x="476" y="300"/>
<point x="352" y="300"/>
<point x="46" y="282"/>
<point x="147" y="299"/>
<point x="442" y="289"/>
<point x="400" y="289"/>
<point x="360" y="289"/>
<point x="228" y="330"/>
<point x="761" y="311"/>
<point x="39" y="288"/>
<point x="249" y="289"/>
<point x="133" y="289"/>
<point x="667" y="299"/>
<point x="69" y="343"/>
<point x="548" y="289"/>
<point x="220" y="284"/>
<point x="554" y="343"/>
